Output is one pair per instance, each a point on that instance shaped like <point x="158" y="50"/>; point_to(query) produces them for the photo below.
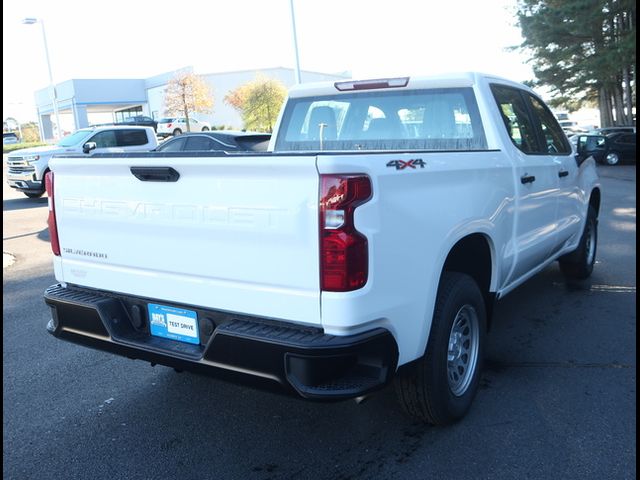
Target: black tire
<point x="578" y="264"/>
<point x="423" y="387"/>
<point x="205" y="129"/>
<point x="34" y="194"/>
<point x="177" y="132"/>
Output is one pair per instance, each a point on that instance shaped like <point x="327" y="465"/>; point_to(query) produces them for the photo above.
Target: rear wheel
<point x="205" y="129"/>
<point x="612" y="158"/>
<point x="440" y="387"/>
<point x="177" y="132"/>
<point x="578" y="264"/>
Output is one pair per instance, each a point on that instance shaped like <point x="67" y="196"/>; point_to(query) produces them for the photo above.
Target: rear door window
<point x="628" y="139"/>
<point x="131" y="138"/>
<point x="200" y="142"/>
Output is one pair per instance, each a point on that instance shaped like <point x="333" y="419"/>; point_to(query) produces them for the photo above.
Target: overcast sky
<point x="141" y="38"/>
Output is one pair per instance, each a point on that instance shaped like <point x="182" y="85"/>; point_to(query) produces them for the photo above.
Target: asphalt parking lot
<point x="558" y="396"/>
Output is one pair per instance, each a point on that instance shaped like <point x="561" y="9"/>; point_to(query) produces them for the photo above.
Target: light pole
<point x="295" y="42"/>
<point x="52" y="92"/>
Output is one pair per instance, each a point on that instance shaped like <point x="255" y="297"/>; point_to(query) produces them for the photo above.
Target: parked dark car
<point x="222" y="140"/>
<point x="9" y="138"/>
<point x="610" y="149"/>
<point x="140" y="120"/>
<point x="621" y="147"/>
<point x="610" y="130"/>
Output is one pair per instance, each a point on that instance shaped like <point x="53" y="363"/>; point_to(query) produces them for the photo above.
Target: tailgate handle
<point x="155" y="174"/>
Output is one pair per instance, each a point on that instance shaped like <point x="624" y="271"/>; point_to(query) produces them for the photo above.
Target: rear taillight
<point x="344" y="259"/>
<point x="51" y="221"/>
<point x="169" y="125"/>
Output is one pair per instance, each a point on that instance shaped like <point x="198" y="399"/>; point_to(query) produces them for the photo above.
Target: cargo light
<point x="344" y="258"/>
<point x="372" y="84"/>
<point x="51" y="220"/>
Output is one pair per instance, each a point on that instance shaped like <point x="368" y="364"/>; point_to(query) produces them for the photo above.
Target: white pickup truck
<point x="28" y="166"/>
<point x="369" y="244"/>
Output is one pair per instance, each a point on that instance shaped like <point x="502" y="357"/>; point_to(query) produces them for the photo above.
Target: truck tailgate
<point x="232" y="233"/>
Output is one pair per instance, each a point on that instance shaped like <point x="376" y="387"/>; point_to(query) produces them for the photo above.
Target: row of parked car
<point x="168" y="126"/>
<point x="608" y="146"/>
<point x="27" y="167"/>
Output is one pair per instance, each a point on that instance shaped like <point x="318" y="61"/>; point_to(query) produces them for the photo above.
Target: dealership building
<point x="83" y="102"/>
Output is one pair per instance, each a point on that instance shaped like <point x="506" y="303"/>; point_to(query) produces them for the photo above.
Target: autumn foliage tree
<point x="30" y="132"/>
<point x="187" y="93"/>
<point x="258" y="103"/>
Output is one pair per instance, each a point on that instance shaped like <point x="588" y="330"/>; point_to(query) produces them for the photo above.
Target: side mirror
<point x="88" y="147"/>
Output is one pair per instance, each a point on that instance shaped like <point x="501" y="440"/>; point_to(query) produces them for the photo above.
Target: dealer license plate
<point x="174" y="323"/>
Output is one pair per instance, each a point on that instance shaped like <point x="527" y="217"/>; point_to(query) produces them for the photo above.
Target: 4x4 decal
<point x="402" y="164"/>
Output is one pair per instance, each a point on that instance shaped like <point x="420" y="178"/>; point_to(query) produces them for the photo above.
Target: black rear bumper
<point x="266" y="353"/>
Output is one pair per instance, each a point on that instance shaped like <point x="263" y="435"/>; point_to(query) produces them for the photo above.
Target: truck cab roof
<point x="444" y="80"/>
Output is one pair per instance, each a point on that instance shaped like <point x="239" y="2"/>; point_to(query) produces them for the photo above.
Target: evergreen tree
<point x="585" y="51"/>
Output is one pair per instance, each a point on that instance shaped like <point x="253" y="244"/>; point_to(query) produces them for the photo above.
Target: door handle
<point x="155" y="174"/>
<point x="527" y="179"/>
<point x="563" y="173"/>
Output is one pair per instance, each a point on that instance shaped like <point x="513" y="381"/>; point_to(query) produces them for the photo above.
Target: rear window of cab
<point x="428" y="119"/>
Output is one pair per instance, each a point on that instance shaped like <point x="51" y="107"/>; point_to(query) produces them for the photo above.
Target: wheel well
<point x="472" y="256"/>
<point x="594" y="201"/>
<point x="44" y="174"/>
